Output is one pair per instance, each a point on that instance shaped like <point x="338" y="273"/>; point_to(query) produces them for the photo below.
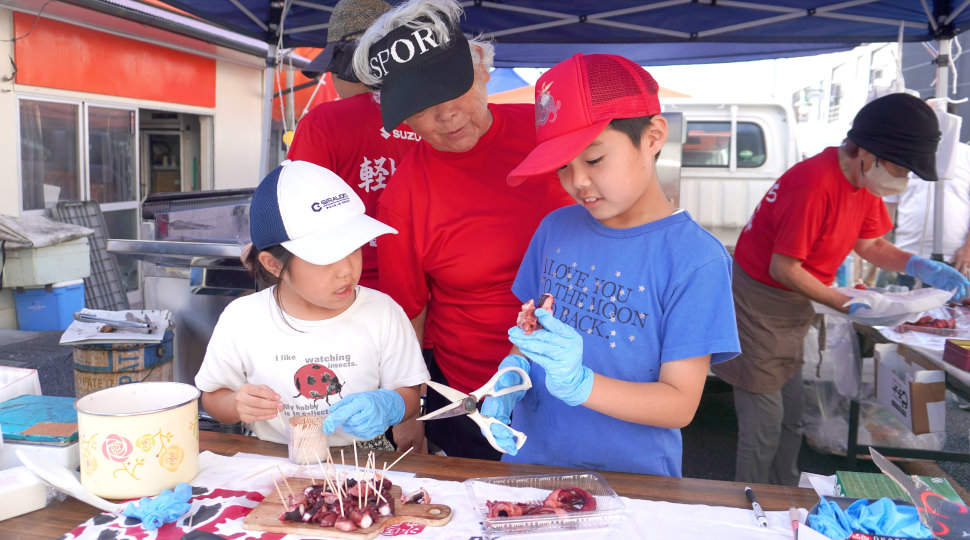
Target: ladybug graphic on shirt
<point x="317" y="381"/>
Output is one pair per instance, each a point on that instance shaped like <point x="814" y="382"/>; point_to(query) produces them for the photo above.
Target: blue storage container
<point x="42" y="309"/>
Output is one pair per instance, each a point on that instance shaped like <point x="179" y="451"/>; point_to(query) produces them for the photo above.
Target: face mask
<point x="880" y="182"/>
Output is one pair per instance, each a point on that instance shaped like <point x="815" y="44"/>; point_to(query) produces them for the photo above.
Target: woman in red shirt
<point x="787" y="256"/>
<point x="462" y="229"/>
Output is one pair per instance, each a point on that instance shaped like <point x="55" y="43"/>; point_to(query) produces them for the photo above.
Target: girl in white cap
<point x="314" y="342"/>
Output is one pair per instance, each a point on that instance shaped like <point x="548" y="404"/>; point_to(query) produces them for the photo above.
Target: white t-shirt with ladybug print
<point x="311" y="364"/>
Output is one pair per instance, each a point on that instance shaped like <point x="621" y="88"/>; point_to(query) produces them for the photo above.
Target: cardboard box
<point x="865" y="485"/>
<point x="49" y="308"/>
<point x="911" y="387"/>
<point x="16" y="382"/>
<point x="31" y="267"/>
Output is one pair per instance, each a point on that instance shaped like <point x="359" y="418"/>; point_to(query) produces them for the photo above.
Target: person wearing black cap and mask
<point x="787" y="256"/>
<point x="462" y="229"/>
<point x="346" y="136"/>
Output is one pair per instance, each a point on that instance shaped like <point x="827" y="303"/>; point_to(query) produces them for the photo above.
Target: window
<point x="79" y="151"/>
<point x="751" y="145"/>
<point x="49" y="136"/>
<point x="835" y="100"/>
<point x="708" y="144"/>
<point x="111" y="154"/>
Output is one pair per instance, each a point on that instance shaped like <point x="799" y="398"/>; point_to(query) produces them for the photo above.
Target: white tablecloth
<point x="224" y="494"/>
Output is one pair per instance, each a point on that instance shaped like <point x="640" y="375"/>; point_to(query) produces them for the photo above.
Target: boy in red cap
<point x="642" y="292"/>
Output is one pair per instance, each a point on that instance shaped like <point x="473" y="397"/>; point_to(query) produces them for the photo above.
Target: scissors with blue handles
<point x="467" y="404"/>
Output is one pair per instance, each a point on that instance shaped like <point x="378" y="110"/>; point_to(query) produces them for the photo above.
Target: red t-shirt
<point x="812" y="213"/>
<point x="462" y="234"/>
<point x="347" y="137"/>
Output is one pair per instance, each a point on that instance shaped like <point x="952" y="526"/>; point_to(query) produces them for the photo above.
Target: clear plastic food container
<point x="959" y="316"/>
<point x="533" y="490"/>
<point x="947" y="332"/>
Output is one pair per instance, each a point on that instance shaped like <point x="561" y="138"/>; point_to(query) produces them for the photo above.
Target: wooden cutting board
<point x="265" y="517"/>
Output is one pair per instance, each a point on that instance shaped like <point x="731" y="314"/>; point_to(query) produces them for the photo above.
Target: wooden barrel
<point x="104" y="365"/>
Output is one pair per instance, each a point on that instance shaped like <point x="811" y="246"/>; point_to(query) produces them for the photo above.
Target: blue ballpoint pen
<point x="759" y="514"/>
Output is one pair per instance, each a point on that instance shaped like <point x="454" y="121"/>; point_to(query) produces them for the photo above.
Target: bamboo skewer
<point x="383" y="474"/>
<point x="357" y="475"/>
<point x="326" y="480"/>
<point x="259" y="472"/>
<point x="367" y="484"/>
<point x="280" y="493"/>
<point x="333" y="470"/>
<point x="343" y="469"/>
<point x="400" y="458"/>
<point x="374" y="478"/>
<point x="287" y="484"/>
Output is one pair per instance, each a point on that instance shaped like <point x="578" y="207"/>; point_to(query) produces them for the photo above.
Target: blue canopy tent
<point x="539" y="33"/>
<point x="536" y="33"/>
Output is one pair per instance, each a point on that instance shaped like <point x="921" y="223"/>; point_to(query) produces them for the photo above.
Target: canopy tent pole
<point x="942" y="91"/>
<point x="268" y="84"/>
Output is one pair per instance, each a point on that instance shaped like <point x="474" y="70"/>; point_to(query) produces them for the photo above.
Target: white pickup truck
<point x="731" y="153"/>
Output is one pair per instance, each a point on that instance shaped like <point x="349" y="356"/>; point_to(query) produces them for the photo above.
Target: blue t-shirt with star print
<point x="640" y="297"/>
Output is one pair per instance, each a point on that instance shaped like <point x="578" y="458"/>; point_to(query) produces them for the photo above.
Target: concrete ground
<point x="709" y="442"/>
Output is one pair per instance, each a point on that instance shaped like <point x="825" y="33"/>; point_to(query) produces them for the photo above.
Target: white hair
<point x="438" y="15"/>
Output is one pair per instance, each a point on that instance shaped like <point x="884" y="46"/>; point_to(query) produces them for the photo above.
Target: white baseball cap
<point x="311" y="212"/>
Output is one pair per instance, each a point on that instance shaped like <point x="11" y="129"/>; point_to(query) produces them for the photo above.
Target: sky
<point x="759" y="79"/>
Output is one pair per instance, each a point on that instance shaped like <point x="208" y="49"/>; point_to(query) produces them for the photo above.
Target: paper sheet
<point x="90" y="333"/>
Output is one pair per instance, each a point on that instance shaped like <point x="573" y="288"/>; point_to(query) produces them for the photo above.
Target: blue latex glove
<point x="882" y="517"/>
<point x="939" y="275"/>
<point x="500" y="408"/>
<point x="558" y="348"/>
<point x="871" y="305"/>
<point x="366" y="414"/>
<point x="504" y="438"/>
<point x="165" y="507"/>
<point x="885" y="515"/>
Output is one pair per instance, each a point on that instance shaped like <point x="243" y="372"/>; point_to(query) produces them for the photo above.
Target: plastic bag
<point x="904" y="305"/>
<point x="825" y="424"/>
<point x="837" y="359"/>
<point x="836" y="374"/>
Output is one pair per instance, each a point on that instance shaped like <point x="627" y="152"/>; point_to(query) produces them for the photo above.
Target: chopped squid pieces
<point x="348" y="507"/>
<point x="929" y="322"/>
<point x="421" y="496"/>
<point x="560" y="501"/>
<point x="527" y="320"/>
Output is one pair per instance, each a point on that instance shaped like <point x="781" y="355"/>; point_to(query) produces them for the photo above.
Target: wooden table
<point x="61" y="517"/>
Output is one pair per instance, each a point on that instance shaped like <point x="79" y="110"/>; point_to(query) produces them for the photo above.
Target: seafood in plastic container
<point x="936" y="322"/>
<point x="533" y="490"/>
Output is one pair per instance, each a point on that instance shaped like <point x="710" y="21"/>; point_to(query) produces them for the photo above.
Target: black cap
<point x="348" y="20"/>
<point x="337" y="58"/>
<point x="902" y="129"/>
<point x="418" y="70"/>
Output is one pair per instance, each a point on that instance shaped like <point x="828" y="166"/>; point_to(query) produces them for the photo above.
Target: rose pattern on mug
<point x="169" y="455"/>
<point x="119" y="449"/>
